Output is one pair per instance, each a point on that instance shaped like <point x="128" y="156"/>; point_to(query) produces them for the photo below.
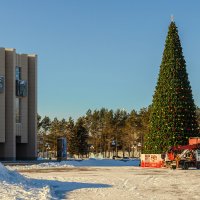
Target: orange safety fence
<point x="158" y="164"/>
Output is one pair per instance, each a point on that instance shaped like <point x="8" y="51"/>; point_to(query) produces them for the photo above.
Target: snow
<point x="97" y="179"/>
<point x="16" y="186"/>
<point x="80" y="163"/>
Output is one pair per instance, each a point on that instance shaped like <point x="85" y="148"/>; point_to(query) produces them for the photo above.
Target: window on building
<point x="18" y="110"/>
<point x="18" y="73"/>
<point x="21" y="85"/>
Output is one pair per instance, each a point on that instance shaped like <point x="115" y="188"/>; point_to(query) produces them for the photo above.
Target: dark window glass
<point x="18" y="73"/>
<point x="18" y="139"/>
<point x="1" y="84"/>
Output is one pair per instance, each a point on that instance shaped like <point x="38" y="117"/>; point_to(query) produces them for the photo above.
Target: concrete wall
<point x="27" y="149"/>
<point x="10" y="142"/>
<point x="32" y="109"/>
<point x="2" y="97"/>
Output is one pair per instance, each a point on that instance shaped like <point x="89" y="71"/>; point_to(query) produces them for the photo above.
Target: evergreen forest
<point x="100" y="131"/>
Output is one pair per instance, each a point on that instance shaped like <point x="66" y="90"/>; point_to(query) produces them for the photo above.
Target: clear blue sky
<point x="103" y="53"/>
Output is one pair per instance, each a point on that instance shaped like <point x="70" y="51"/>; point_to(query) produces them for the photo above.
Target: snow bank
<point x="54" y="164"/>
<point x="10" y="176"/>
<point x="105" y="162"/>
<point x="15" y="186"/>
<point x="92" y="162"/>
<point x="62" y="164"/>
<point x="80" y="163"/>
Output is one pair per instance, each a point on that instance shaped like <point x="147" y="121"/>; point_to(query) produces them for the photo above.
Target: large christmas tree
<point x="173" y="115"/>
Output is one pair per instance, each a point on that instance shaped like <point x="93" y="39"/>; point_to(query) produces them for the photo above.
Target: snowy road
<point x="95" y="183"/>
<point x="123" y="183"/>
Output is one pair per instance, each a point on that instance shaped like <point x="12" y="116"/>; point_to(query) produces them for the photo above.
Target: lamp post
<point x="139" y="148"/>
<point x="132" y="150"/>
<point x="48" y="149"/>
<point x="113" y="144"/>
<point x="91" y="150"/>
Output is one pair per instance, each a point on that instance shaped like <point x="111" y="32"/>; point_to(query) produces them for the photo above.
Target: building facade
<point x="18" y="105"/>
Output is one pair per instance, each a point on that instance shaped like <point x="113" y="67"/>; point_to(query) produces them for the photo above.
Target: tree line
<point x="100" y="131"/>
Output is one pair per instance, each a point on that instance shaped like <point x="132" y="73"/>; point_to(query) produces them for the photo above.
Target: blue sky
<point x="103" y="53"/>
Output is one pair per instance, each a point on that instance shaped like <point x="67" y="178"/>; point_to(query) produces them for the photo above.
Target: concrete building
<point x="18" y="105"/>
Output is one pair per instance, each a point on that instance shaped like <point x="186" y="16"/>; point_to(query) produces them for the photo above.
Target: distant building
<point x="18" y="105"/>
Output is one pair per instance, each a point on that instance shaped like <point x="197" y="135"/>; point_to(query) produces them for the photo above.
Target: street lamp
<point x="113" y="144"/>
<point x="47" y="149"/>
<point x="91" y="150"/>
<point x="139" y="148"/>
<point x="132" y="150"/>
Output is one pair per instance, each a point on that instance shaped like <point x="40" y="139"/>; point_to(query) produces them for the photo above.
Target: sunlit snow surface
<point x="83" y="163"/>
<point x="97" y="179"/>
<point x="13" y="185"/>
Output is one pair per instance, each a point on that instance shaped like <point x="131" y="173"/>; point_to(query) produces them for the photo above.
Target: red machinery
<point x="184" y="156"/>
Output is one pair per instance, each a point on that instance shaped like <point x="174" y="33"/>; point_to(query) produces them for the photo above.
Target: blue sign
<point x="61" y="148"/>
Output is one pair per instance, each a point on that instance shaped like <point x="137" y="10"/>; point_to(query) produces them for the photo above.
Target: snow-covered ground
<point x="81" y="163"/>
<point x="106" y="179"/>
<point x="15" y="186"/>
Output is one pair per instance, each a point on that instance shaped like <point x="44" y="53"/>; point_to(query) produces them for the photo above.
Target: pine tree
<point x="73" y="143"/>
<point x="69" y="134"/>
<point x="173" y="118"/>
<point x="82" y="136"/>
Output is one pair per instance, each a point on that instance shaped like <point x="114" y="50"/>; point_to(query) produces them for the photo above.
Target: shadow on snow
<point x="59" y="189"/>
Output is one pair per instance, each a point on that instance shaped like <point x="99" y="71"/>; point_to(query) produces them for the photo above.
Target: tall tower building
<point x="18" y="105"/>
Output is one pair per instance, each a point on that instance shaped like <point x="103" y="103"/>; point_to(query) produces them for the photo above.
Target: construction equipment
<point x="184" y="156"/>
